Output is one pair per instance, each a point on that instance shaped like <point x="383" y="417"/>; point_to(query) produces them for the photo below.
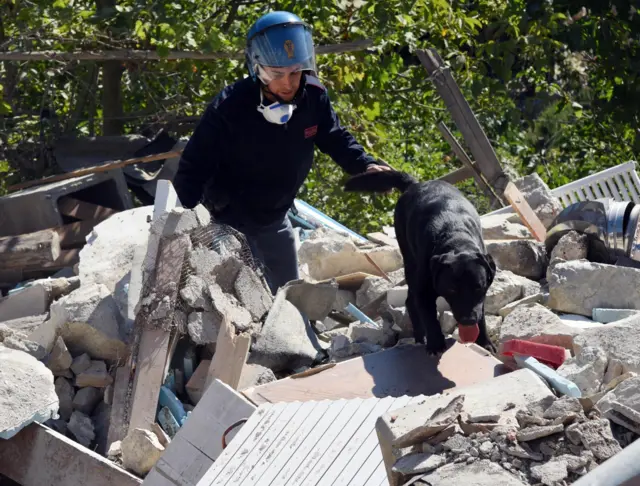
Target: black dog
<point x="440" y="238"/>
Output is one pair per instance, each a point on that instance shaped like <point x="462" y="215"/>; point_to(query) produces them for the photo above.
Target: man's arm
<point x="199" y="159"/>
<point x="338" y="143"/>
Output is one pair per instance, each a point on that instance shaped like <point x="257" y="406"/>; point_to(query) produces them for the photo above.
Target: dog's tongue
<point x="468" y="334"/>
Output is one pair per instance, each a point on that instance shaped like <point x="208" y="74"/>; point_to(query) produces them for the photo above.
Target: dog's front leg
<point x="416" y="318"/>
<point x="436" y="344"/>
<point x="483" y="338"/>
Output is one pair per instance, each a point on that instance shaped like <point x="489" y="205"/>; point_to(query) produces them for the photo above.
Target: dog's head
<point x="463" y="280"/>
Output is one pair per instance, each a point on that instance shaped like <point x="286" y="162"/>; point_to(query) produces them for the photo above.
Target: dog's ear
<point x="490" y="265"/>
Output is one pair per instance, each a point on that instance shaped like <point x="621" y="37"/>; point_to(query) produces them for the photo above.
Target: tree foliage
<point x="554" y="84"/>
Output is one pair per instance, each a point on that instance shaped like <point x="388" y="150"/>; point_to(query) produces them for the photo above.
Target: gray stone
<point x="527" y="258"/>
<point x="342" y="347"/>
<point x="457" y="444"/>
<point x="255" y="375"/>
<point x="550" y="473"/>
<point x="537" y="432"/>
<point x="372" y="288"/>
<point x="21" y="344"/>
<point x="328" y="324"/>
<point x="226" y="305"/>
<point x="572" y="246"/>
<point x="314" y="300"/>
<point x="179" y="221"/>
<point x="25" y="326"/>
<point x="529" y="300"/>
<point x="203" y="327"/>
<point x="439" y="420"/>
<point x="204" y="262"/>
<point x="27" y="302"/>
<point x="59" y="425"/>
<point x="194" y="293"/>
<point x="503" y="291"/>
<point x="573" y="284"/>
<point x="95" y="375"/>
<point x="622" y="405"/>
<point x="595" y="436"/>
<point x="141" y="449"/>
<point x="86" y="399"/>
<point x="227" y="272"/>
<point x="619" y="341"/>
<point x="89" y="322"/>
<point x="287" y="340"/>
<point x="478" y="473"/>
<point x="418" y="463"/>
<point x="498" y="227"/>
<point x="574" y="463"/>
<point x="586" y="369"/>
<point x="252" y="293"/>
<point x="60" y="359"/>
<point x="81" y="427"/>
<point x="486" y="448"/>
<point x="364" y="332"/>
<point x="538" y="324"/>
<point x="80" y="363"/>
<point x="562" y="407"/>
<point x="65" y="393"/>
<point x="540" y="198"/>
<point x="343" y="299"/>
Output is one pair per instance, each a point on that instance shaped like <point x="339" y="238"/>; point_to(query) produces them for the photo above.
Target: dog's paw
<point x="435" y="350"/>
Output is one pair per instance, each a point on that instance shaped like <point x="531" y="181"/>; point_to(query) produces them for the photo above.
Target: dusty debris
<point x="80" y="363"/>
<point x="315" y="300"/>
<point x="586" y="369"/>
<point x="252" y="294"/>
<point x="527" y="258"/>
<point x="540" y="198"/>
<point x="60" y="359"/>
<point x="65" y="392"/>
<point x="203" y="327"/>
<point x="499" y="227"/>
<point x="224" y="304"/>
<point x="87" y="399"/>
<point x="81" y="427"/>
<point x="140" y="450"/>
<point x="194" y="293"/>
<point x="622" y="405"/>
<point x="95" y="375"/>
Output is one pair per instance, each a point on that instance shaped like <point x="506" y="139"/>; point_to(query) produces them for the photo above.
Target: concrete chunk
<point x="596" y="436"/>
<point x="504" y="290"/>
<point x="89" y="322"/>
<point x="572" y="246"/>
<point x="372" y="288"/>
<point x="251" y="293"/>
<point x="537" y="432"/>
<point x="204" y="262"/>
<point x="226" y="305"/>
<point x="255" y="375"/>
<point x="287" y="340"/>
<point x="203" y="327"/>
<point x="141" y="449"/>
<point x="27" y="392"/>
<point x="80" y="363"/>
<point x="572" y="287"/>
<point x="86" y="400"/>
<point x="622" y="405"/>
<point x="527" y="258"/>
<point x="498" y="227"/>
<point x="20" y="344"/>
<point x="81" y="427"/>
<point x="194" y="293"/>
<point x="95" y="375"/>
<point x="478" y="473"/>
<point x="60" y="359"/>
<point x="30" y="301"/>
<point x="550" y="473"/>
<point x="65" y="393"/>
<point x="418" y="463"/>
<point x="540" y="198"/>
<point x="586" y="369"/>
<point x="314" y="300"/>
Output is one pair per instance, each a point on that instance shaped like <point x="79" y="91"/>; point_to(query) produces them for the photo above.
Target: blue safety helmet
<point x="279" y="39"/>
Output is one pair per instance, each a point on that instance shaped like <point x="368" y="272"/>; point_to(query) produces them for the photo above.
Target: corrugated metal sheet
<point x="318" y="443"/>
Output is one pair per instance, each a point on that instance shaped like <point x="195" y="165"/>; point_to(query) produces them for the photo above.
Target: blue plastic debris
<point x="169" y="400"/>
<point x="168" y="422"/>
<point x="189" y="364"/>
<point x="560" y="383"/>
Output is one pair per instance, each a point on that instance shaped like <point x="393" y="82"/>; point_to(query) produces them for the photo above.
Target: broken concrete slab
<point x="95" y="375"/>
<point x="60" y="359"/>
<point x="204" y="262"/>
<point x="30" y="301"/>
<point x="251" y="292"/>
<point x="418" y="463"/>
<point x="527" y="258"/>
<point x="194" y="293"/>
<point x="532" y="299"/>
<point x="64" y="390"/>
<point x="81" y="427"/>
<point x="397" y="296"/>
<point x="596" y="436"/>
<point x="504" y="290"/>
<point x="365" y="332"/>
<point x="498" y="227"/>
<point x="586" y="369"/>
<point x="26" y="326"/>
<point x="372" y="288"/>
<point x="203" y="327"/>
<point x="572" y="287"/>
<point x="27" y="392"/>
<point x="540" y="198"/>
<point x="538" y="432"/>
<point x="479" y="473"/>
<point x="328" y="257"/>
<point x="255" y="375"/>
<point x="622" y="405"/>
<point x="80" y="363"/>
<point x="314" y="300"/>
<point x="89" y="322"/>
<point x="86" y="399"/>
<point x="15" y="341"/>
<point x="619" y="341"/>
<point x="227" y="272"/>
<point x="287" y="340"/>
<point x="224" y="304"/>
<point x="538" y="324"/>
<point x="572" y="246"/>
<point x="141" y="449"/>
<point x="607" y="316"/>
<point x="550" y="473"/>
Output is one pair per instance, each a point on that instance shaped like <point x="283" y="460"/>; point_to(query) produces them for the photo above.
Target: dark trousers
<point x="274" y="247"/>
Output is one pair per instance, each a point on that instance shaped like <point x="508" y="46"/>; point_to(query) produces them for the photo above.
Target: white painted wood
<point x="166" y="198"/>
<point x="342" y="408"/>
<point x="633" y="190"/>
<point x="380" y="474"/>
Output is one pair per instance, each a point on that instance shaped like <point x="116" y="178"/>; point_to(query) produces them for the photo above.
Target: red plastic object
<point x="550" y="355"/>
<point x="468" y="334"/>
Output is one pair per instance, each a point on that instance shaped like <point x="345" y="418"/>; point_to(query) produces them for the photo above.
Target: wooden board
<point x="230" y="356"/>
<point x="39" y="456"/>
<point x="29" y="250"/>
<point x="351" y="281"/>
<point x="527" y="216"/>
<point x="196" y="385"/>
<point x="116" y="164"/>
<point x="199" y="442"/>
<point x="74" y="234"/>
<point x="74" y="208"/>
<point x="402" y="370"/>
<point x="307" y="444"/>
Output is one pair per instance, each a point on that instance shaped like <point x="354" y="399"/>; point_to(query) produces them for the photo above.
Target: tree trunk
<point x="112" y="123"/>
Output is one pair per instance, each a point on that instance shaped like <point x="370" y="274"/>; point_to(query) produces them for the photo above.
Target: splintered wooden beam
<point x="230" y="356"/>
<point x="74" y="208"/>
<point x="29" y="250"/>
<point x="528" y="217"/>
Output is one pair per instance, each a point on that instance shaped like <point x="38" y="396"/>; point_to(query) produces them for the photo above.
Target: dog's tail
<point x="379" y="181"/>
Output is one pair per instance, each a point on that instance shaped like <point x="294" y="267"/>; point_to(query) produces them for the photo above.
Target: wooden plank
<point x="382" y="239"/>
<point x="75" y="233"/>
<point x="351" y="281"/>
<point x="464" y="119"/>
<point x="115" y="164"/>
<point x="118" y="416"/>
<point x="458" y="175"/>
<point x="74" y="208"/>
<point x="195" y="387"/>
<point x="39" y="456"/>
<point x="149" y="377"/>
<point x="230" y="356"/>
<point x="528" y="217"/>
<point x="389" y="372"/>
<point x="29" y="250"/>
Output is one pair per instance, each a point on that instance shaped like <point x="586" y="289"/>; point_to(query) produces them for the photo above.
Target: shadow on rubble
<point x="407" y="370"/>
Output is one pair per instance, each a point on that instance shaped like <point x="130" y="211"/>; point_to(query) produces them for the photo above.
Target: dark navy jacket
<point x="245" y="169"/>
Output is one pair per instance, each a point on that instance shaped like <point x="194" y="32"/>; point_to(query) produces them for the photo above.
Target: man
<point x="253" y="147"/>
